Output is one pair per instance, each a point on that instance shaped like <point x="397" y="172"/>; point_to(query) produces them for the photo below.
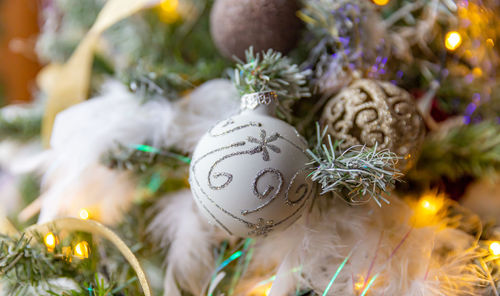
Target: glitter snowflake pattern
<point x="262" y="227"/>
<point x="263" y="144"/>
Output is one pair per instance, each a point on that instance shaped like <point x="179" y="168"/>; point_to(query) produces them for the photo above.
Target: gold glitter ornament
<point x="370" y="112"/>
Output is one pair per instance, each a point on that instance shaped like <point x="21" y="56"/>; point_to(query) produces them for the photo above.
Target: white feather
<point x="407" y="261"/>
<point x="211" y="102"/>
<point x="82" y="134"/>
<point x="189" y="240"/>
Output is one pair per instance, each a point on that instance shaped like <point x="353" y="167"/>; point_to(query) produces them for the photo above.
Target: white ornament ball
<point x="248" y="173"/>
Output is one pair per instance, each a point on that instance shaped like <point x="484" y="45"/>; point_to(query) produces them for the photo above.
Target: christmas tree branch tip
<point x="271" y="71"/>
<point x="356" y="174"/>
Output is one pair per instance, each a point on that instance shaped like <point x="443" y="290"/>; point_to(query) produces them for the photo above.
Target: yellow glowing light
<point x="381" y="2"/>
<point x="169" y="11"/>
<point x="477" y="72"/>
<point x="429" y="206"/>
<point x="495" y="248"/>
<point x="82" y="250"/>
<point x="452" y="40"/>
<point x="84" y="214"/>
<point x="490" y="42"/>
<point x="428" y="210"/>
<point x="50" y="241"/>
<point x="261" y="290"/>
<point x="359" y="284"/>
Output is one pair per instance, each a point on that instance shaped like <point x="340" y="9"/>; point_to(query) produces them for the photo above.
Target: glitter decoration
<point x="371" y="112"/>
<point x="241" y="176"/>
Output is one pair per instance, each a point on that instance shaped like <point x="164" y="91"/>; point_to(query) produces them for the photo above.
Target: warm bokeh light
<point x="261" y="290"/>
<point x="490" y="42"/>
<point x="381" y="2"/>
<point x="429" y="206"/>
<point x="359" y="284"/>
<point x="169" y="11"/>
<point x="452" y="40"/>
<point x="84" y="214"/>
<point x="495" y="248"/>
<point x="428" y="210"/>
<point x="477" y="72"/>
<point x="50" y="241"/>
<point x="81" y="250"/>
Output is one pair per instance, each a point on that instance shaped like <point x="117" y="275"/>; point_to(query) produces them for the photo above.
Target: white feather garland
<point x="388" y="255"/>
<point x="189" y="240"/>
<point x="196" y="113"/>
<point x="74" y="178"/>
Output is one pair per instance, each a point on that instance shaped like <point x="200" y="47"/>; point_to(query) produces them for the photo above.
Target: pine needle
<point x="271" y="72"/>
<point x="356" y="174"/>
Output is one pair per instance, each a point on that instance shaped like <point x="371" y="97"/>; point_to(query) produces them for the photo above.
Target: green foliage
<point x="149" y="83"/>
<point x="23" y="126"/>
<point x="98" y="287"/>
<point x="271" y="72"/>
<point x="355" y="174"/>
<point x="28" y="267"/>
<point x="24" y="264"/>
<point x="468" y="150"/>
<point x="66" y="23"/>
<point x="159" y="170"/>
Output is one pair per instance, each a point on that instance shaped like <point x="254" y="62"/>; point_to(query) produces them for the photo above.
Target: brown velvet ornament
<point x="236" y="25"/>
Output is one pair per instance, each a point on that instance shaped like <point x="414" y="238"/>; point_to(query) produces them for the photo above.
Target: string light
<point x="84" y="214"/>
<point x="452" y="40"/>
<point x="50" y="241"/>
<point x="359" y="284"/>
<point x="495" y="248"/>
<point x="381" y="2"/>
<point x="169" y="11"/>
<point x="428" y="210"/>
<point x="81" y="250"/>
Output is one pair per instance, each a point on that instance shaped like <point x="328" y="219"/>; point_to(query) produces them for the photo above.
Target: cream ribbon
<point x="73" y="224"/>
<point x="67" y="84"/>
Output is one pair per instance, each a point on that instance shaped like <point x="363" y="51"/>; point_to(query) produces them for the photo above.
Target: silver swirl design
<point x="304" y="187"/>
<point x="256" y="226"/>
<point x="229" y="122"/>
<point x="267" y="191"/>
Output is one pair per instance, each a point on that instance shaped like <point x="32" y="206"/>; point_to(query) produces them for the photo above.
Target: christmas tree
<point x="256" y="147"/>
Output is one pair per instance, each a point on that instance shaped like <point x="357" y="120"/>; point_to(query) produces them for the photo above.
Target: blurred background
<point x="18" y="62"/>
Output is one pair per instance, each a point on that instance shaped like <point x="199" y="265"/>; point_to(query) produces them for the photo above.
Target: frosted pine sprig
<point x="356" y="174"/>
<point x="271" y="71"/>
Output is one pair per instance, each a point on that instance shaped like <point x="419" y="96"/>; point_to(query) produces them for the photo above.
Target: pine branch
<point x="271" y="72"/>
<point x="23" y="264"/>
<point x="20" y="124"/>
<point x="159" y="170"/>
<point x="356" y="174"/>
<point x="97" y="287"/>
<point x="148" y="82"/>
<point x="140" y="158"/>
<point x="469" y="150"/>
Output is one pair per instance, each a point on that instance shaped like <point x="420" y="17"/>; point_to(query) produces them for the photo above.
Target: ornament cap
<point x="260" y="102"/>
